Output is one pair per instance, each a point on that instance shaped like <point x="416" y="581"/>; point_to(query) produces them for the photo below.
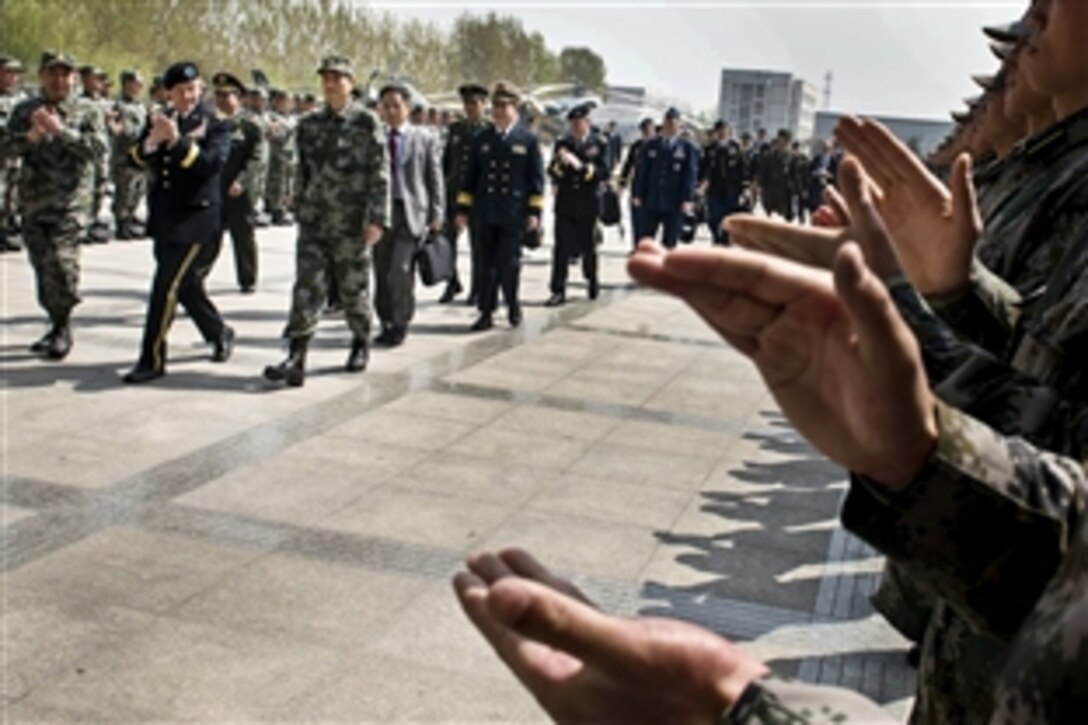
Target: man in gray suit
<point x="419" y="197"/>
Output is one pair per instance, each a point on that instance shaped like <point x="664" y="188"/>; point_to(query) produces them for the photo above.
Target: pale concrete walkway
<point x="206" y="549"/>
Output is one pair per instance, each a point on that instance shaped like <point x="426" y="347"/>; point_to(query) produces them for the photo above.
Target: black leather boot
<point x="359" y="357"/>
<point x="292" y="370"/>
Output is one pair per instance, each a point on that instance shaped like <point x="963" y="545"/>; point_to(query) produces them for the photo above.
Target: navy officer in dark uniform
<point x="503" y="190"/>
<point x="665" y="183"/>
<point x="579" y="166"/>
<point x="723" y="176"/>
<point x="185" y="148"/>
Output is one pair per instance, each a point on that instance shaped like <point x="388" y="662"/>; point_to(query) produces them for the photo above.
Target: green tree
<point x="584" y="67"/>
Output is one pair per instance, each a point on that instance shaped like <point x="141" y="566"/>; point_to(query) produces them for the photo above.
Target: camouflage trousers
<point x="129" y="187"/>
<point x="277" y="185"/>
<point x="348" y="259"/>
<point x="101" y="182"/>
<point x="53" y="247"/>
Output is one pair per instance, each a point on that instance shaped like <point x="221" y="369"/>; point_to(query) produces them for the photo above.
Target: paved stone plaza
<point x="205" y="548"/>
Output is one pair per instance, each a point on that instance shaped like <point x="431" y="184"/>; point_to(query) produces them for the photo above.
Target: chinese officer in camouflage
<point x="579" y="166"/>
<point x="503" y="194"/>
<point x="60" y="138"/>
<point x="723" y="177"/>
<point x="343" y="210"/>
<point x="94" y="80"/>
<point x="239" y="179"/>
<point x="126" y="121"/>
<point x="281" y="157"/>
<point x="455" y="156"/>
<point x="11" y="70"/>
<point x="256" y="106"/>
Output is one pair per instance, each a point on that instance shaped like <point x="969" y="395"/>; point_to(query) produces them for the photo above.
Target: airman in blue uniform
<point x="665" y="183"/>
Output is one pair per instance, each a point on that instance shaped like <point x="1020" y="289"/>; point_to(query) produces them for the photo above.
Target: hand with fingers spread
<point x="856" y="220"/>
<point x="841" y="363"/>
<point x="934" y="229"/>
<point x="585" y="666"/>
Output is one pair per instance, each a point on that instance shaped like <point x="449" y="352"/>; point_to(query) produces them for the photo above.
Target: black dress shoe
<point x="359" y="357"/>
<point x="556" y="300"/>
<point x="140" y="375"/>
<point x="594" y="289"/>
<point x="483" y="322"/>
<point x="247" y="289"/>
<point x="397" y="336"/>
<point x="514" y="315"/>
<point x="385" y="337"/>
<point x="452" y="290"/>
<point x="224" y="346"/>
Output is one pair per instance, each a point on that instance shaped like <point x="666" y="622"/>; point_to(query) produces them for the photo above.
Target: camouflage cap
<point x="336" y="64"/>
<point x="503" y="92"/>
<point x="53" y="59"/>
<point x="131" y="76"/>
<point x="8" y="62"/>
<point x="1012" y="32"/>
<point x="277" y="93"/>
<point x="257" y="92"/>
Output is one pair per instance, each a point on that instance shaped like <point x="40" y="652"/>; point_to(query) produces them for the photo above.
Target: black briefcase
<point x="533" y="239"/>
<point x="434" y="259"/>
<point x="610" y="207"/>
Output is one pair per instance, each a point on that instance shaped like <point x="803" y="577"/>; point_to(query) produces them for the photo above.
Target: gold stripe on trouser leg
<point x="171" y="305"/>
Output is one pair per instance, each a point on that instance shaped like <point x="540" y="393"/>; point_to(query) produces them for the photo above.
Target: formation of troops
<point x="928" y="330"/>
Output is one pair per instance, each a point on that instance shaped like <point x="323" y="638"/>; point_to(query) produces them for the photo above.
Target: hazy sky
<point x="905" y="57"/>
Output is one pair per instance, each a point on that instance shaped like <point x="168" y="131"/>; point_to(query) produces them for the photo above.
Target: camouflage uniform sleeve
<point x="90" y="139"/>
<point x="377" y="177"/>
<point x="774" y="701"/>
<point x="14" y="138"/>
<point x="250" y="176"/>
<point x="985" y="526"/>
<point x="985" y="313"/>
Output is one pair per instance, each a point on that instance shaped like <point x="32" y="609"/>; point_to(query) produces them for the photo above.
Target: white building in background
<point x="754" y="99"/>
<point x="921" y="134"/>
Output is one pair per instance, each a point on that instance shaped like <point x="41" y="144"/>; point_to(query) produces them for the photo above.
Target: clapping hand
<point x="849" y="217"/>
<point x="585" y="666"/>
<point x="934" y="228"/>
<point x="842" y="364"/>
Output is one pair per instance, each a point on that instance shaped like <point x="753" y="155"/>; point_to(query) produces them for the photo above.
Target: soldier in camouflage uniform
<point x="239" y="181"/>
<point x="281" y="157"/>
<point x="256" y="103"/>
<point x="126" y="122"/>
<point x="94" y="90"/>
<point x="60" y="138"/>
<point x="455" y="156"/>
<point x="11" y="95"/>
<point x="994" y="526"/>
<point x="1028" y="377"/>
<point x="776" y="177"/>
<point x="343" y="210"/>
